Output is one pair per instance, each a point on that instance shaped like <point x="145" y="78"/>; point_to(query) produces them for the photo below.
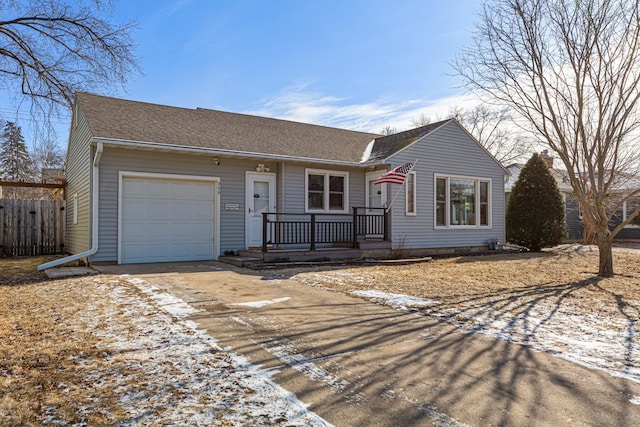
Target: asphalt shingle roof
<point x="114" y="118"/>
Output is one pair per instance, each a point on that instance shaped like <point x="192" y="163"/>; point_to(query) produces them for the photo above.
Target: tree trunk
<point x="605" y="266"/>
<point x="588" y="236"/>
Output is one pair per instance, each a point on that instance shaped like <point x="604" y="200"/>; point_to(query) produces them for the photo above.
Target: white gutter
<point x="94" y="220"/>
<point x="219" y="151"/>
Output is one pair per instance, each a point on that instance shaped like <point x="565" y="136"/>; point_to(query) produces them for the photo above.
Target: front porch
<point x="365" y="250"/>
<point x="364" y="233"/>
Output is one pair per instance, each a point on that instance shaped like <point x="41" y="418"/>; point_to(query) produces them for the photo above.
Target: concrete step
<point x="238" y="261"/>
<point x="374" y="244"/>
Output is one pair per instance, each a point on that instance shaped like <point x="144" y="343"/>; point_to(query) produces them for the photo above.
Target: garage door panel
<point x="164" y="220"/>
<point x="186" y="210"/>
<point x="202" y="192"/>
<point x="133" y="230"/>
<point x="135" y="207"/>
<point x="133" y="188"/>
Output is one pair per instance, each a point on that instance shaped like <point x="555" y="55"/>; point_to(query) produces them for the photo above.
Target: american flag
<point x="397" y="175"/>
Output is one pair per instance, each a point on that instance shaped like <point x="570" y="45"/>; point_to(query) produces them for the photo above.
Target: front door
<point x="376" y="194"/>
<point x="261" y="197"/>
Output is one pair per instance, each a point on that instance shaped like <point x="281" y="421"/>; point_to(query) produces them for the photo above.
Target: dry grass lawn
<point x="482" y="278"/>
<point x="15" y="271"/>
<point x="39" y="345"/>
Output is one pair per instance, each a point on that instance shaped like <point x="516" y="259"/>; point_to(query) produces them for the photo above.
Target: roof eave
<point x="146" y="145"/>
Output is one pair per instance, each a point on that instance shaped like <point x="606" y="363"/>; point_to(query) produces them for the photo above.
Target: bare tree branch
<point x="570" y="72"/>
<point x="49" y="49"/>
<point x="495" y="130"/>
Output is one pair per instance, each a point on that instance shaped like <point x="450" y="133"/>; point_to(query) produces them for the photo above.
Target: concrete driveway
<point x="360" y="364"/>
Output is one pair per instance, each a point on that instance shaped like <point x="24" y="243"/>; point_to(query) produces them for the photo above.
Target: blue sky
<point x="357" y="64"/>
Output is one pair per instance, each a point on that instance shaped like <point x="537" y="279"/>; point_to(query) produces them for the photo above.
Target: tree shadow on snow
<point x="430" y="360"/>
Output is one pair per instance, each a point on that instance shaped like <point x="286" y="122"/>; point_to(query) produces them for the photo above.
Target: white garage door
<point x="166" y="220"/>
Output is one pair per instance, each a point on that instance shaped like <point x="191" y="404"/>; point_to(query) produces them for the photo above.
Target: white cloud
<point x="302" y="104"/>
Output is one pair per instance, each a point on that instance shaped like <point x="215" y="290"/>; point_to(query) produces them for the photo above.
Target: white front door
<point x="376" y="194"/>
<point x="261" y="197"/>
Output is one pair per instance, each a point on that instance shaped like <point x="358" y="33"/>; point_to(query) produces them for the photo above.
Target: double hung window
<point x="327" y="191"/>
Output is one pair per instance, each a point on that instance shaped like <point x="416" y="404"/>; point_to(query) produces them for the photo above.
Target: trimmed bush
<point x="535" y="214"/>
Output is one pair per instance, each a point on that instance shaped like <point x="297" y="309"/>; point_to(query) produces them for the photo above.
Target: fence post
<point x="355" y="227"/>
<point x="313" y="232"/>
<point x="61" y="229"/>
<point x="2" y="228"/>
<point x="385" y="219"/>
<point x="265" y="224"/>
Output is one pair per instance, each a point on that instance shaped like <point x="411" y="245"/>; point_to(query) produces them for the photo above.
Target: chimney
<point x="548" y="159"/>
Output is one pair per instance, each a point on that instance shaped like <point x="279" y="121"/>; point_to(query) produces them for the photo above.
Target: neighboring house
<point x="627" y="184"/>
<point x="54" y="176"/>
<point x="573" y="215"/>
<point x="153" y="183"/>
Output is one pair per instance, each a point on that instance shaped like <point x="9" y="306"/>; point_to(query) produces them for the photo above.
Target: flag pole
<point x="401" y="187"/>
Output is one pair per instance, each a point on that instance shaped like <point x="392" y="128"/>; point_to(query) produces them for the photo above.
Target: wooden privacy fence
<point x="31" y="227"/>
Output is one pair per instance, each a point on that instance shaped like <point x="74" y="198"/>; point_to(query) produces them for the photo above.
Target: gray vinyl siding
<point x="232" y="190"/>
<point x="295" y="191"/>
<point x="78" y="175"/>
<point x="629" y="232"/>
<point x="447" y="151"/>
<point x="575" y="226"/>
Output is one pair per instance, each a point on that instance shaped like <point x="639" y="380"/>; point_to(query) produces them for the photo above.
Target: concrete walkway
<point x="360" y="364"/>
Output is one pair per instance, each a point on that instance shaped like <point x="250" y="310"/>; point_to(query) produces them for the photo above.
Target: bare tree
<point x="421" y="120"/>
<point x="494" y="129"/>
<point x="388" y="130"/>
<point x="48" y="155"/>
<point x="570" y="70"/>
<point x="49" y="49"/>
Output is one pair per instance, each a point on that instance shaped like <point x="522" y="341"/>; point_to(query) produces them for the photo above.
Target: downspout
<point x="94" y="219"/>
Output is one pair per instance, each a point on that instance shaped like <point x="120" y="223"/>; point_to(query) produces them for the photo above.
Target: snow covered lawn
<point x="112" y="350"/>
<point x="552" y="302"/>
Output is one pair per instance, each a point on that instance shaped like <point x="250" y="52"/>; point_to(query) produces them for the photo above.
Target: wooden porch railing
<point x="313" y="228"/>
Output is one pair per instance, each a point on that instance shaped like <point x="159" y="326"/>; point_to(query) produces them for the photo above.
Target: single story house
<point x="154" y="183"/>
<point x="573" y="214"/>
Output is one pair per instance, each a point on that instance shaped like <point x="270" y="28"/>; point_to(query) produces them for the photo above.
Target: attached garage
<point x="164" y="218"/>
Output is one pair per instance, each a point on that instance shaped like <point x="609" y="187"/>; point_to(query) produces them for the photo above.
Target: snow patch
<point x="399" y="301"/>
<point x="167" y="302"/>
<point x="258" y="304"/>
<point x="635" y="400"/>
<point x="178" y="373"/>
<point x="367" y="152"/>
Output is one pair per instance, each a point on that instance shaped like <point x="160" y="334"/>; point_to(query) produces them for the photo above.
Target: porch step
<point x="325" y="254"/>
<point x="374" y="244"/>
<point x="239" y="261"/>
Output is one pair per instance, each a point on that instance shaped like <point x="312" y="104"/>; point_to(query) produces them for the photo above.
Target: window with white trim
<point x="628" y="207"/>
<point x="327" y="191"/>
<point x="462" y="202"/>
<point x="410" y="195"/>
